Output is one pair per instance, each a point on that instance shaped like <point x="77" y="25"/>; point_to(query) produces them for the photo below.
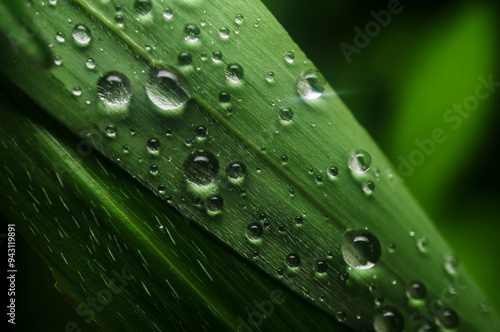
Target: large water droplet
<point x="360" y="161"/>
<point x="143" y="7"/>
<point x="191" y="33"/>
<point x="292" y="260"/>
<point x="388" y="319"/>
<point x="361" y="249"/>
<point x="234" y="73"/>
<point x="81" y="34"/>
<point x="254" y="231"/>
<point x="311" y="84"/>
<point x="201" y="168"/>
<point x="165" y="90"/>
<point x="114" y="88"/>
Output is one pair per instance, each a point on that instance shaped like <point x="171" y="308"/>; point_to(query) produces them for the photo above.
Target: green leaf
<point x="286" y="163"/>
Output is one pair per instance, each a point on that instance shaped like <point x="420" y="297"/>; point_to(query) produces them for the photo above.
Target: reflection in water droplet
<point x="429" y="327"/>
<point x="311" y="84"/>
<point x="191" y="33"/>
<point x="292" y="260"/>
<point x="165" y="90"/>
<point x="286" y="114"/>
<point x="114" y="88"/>
<point x="361" y="249"/>
<point x="360" y="161"/>
<point x="254" y="231"/>
<point x="234" y="73"/>
<point x="153" y="169"/>
<point x="388" y="319"/>
<point x="81" y="34"/>
<point x="201" y="168"/>
<point x="143" y="7"/>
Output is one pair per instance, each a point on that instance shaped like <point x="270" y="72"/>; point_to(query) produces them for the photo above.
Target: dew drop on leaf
<point x="224" y="97"/>
<point x="153" y="145"/>
<point x="60" y="37"/>
<point x="224" y="32"/>
<point x="201" y="168"/>
<point x="311" y="84"/>
<point x="270" y="76"/>
<point x="214" y="203"/>
<point x="289" y="57"/>
<point x="254" y="231"/>
<point x="164" y="89"/>
<point x="286" y="114"/>
<point x="236" y="170"/>
<point x="114" y="88"/>
<point x="360" y="161"/>
<point x="361" y="249"/>
<point x="292" y="260"/>
<point x="191" y="33"/>
<point x="238" y="19"/>
<point x="110" y="131"/>
<point x="168" y="14"/>
<point x="90" y="63"/>
<point x="216" y="56"/>
<point x="143" y="7"/>
<point x="448" y="319"/>
<point x="234" y="73"/>
<point x="184" y="59"/>
<point x="81" y="34"/>
<point x="368" y="187"/>
<point x="333" y="171"/>
<point x="388" y="319"/>
<point x="320" y="266"/>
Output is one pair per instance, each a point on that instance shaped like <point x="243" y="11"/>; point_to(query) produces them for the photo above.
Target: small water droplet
<point x="234" y="73"/>
<point x="125" y="149"/>
<point x="345" y="276"/>
<point x="341" y="316"/>
<point x="238" y="19"/>
<point x="292" y="260"/>
<point x="236" y="170"/>
<point x="224" y="32"/>
<point x="214" y="203"/>
<point x="224" y="97"/>
<point x="429" y="327"/>
<point x="57" y="60"/>
<point x="320" y="266"/>
<point x="284" y="159"/>
<point x="447" y="319"/>
<point x="388" y="319"/>
<point x="333" y="171"/>
<point x="298" y="220"/>
<point x="168" y="14"/>
<point x="90" y="63"/>
<point x="361" y="249"/>
<point x="143" y="7"/>
<point x="286" y="114"/>
<point x="184" y="59"/>
<point x="153" y="169"/>
<point x="289" y="57"/>
<point x="161" y="189"/>
<point x="165" y="90"/>
<point x="360" y="161"/>
<point x="153" y="145"/>
<point x="254" y="231"/>
<point x="311" y="84"/>
<point x="422" y="244"/>
<point x="53" y="2"/>
<point x="114" y="88"/>
<point x="201" y="168"/>
<point x="450" y="263"/>
<point x="416" y="290"/>
<point x="216" y="56"/>
<point x="191" y="33"/>
<point x="319" y="179"/>
<point x="368" y="187"/>
<point x="81" y="34"/>
<point x="196" y="201"/>
<point x="77" y="91"/>
<point x="110" y="131"/>
<point x="270" y="76"/>
<point x="391" y="247"/>
<point x="201" y="132"/>
<point x="60" y="37"/>
<point x="119" y="20"/>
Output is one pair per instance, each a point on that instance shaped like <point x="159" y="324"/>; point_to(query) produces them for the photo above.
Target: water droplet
<point x="311" y="84"/>
<point x="165" y="90"/>
<point x="216" y="56"/>
<point x="320" y="266"/>
<point x="60" y="37"/>
<point x="153" y="169"/>
<point x="81" y="34"/>
<point x="360" y="161"/>
<point x="119" y="20"/>
<point x="167" y="13"/>
<point x="341" y="316"/>
<point x="153" y="145"/>
<point x="270" y="76"/>
<point x="196" y="201"/>
<point x="284" y="159"/>
<point x="254" y="231"/>
<point x="110" y="131"/>
<point x="114" y="88"/>
<point x="422" y="244"/>
<point x="224" y="97"/>
<point x="201" y="132"/>
<point x="191" y="33"/>
<point x="53" y="2"/>
<point x="333" y="171"/>
<point x="450" y="263"/>
<point x="125" y="149"/>
<point x="236" y="170"/>
<point x="238" y="19"/>
<point x="416" y="290"/>
<point x="379" y="300"/>
<point x="368" y="187"/>
<point x="361" y="249"/>
<point x="234" y="73"/>
<point x="77" y="91"/>
<point x="143" y="7"/>
<point x="345" y="276"/>
<point x="286" y="114"/>
<point x="161" y="189"/>
<point x="289" y="57"/>
<point x="447" y="319"/>
<point x="319" y="179"/>
<point x="292" y="260"/>
<point x="224" y="32"/>
<point x="388" y="319"/>
<point x="90" y="63"/>
<point x="214" y="203"/>
<point x="57" y="60"/>
<point x="184" y="59"/>
<point x="201" y="168"/>
<point x="430" y="327"/>
<point x="391" y="247"/>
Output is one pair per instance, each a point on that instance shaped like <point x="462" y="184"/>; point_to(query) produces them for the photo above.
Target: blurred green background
<point x="401" y="86"/>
